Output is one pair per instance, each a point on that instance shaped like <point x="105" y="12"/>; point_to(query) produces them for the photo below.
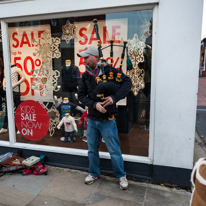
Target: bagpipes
<point x="108" y="85"/>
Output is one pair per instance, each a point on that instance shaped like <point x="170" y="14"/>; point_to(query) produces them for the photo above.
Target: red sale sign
<point x="22" y="54"/>
<point x="115" y="29"/>
<point x="32" y="120"/>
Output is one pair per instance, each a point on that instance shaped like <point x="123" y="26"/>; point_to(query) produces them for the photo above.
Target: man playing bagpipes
<point x="101" y="111"/>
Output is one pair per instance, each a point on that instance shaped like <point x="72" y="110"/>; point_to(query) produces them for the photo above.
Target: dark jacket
<point x="88" y="96"/>
<point x="70" y="78"/>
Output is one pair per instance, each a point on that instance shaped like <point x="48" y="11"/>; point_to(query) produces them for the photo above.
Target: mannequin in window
<point x="15" y="81"/>
<point x="67" y="107"/>
<point x="70" y="80"/>
<point x="69" y="125"/>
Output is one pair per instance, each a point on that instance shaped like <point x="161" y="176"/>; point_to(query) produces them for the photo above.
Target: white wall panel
<point x="178" y="50"/>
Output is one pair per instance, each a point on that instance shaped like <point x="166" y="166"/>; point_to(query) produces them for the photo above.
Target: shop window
<point x="44" y="54"/>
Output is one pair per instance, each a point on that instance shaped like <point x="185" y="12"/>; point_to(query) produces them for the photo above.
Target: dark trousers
<point x="69" y="134"/>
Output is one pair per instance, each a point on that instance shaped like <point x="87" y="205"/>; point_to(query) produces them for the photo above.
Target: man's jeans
<point x="108" y="130"/>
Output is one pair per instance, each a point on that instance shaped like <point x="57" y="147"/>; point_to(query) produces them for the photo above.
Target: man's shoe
<point x="90" y="179"/>
<point x="123" y="183"/>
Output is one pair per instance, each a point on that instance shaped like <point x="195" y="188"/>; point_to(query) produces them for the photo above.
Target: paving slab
<point x="32" y="184"/>
<point x="200" y="123"/>
<point x="102" y="200"/>
<point x="156" y="197"/>
<point x="14" y="197"/>
<point x="50" y="201"/>
<point x="5" y="176"/>
<point x="111" y="188"/>
<point x="70" y="186"/>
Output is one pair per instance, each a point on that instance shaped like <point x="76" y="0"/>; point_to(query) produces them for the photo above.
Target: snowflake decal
<point x="135" y="43"/>
<point x="48" y="47"/>
<point x="144" y="30"/>
<point x="69" y="32"/>
<point x="45" y="79"/>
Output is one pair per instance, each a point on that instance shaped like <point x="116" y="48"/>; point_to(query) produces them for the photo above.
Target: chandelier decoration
<point x="135" y="52"/>
<point x="45" y="79"/>
<point x="54" y="117"/>
<point x="69" y="32"/>
<point x="48" y="47"/>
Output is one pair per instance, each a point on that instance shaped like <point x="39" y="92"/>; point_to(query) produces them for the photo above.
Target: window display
<point x="45" y="57"/>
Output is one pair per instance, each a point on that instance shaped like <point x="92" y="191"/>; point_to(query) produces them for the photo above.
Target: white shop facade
<point x="156" y="121"/>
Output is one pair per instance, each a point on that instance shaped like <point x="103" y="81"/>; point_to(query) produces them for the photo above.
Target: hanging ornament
<point x="137" y="77"/>
<point x="45" y="79"/>
<point x="135" y="52"/>
<point x="54" y="117"/>
<point x="48" y="47"/>
<point x="69" y="32"/>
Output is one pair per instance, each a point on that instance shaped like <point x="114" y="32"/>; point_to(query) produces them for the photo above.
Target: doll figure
<point x="84" y="118"/>
<point x="69" y="127"/>
<point x="67" y="107"/>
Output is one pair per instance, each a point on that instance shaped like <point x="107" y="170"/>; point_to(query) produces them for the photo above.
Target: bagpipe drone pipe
<point x="108" y="84"/>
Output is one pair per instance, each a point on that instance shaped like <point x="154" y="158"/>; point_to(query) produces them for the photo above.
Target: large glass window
<point x="45" y="66"/>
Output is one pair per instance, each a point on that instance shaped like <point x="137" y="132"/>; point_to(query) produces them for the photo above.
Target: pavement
<point x="201" y="109"/>
<point x="62" y="187"/>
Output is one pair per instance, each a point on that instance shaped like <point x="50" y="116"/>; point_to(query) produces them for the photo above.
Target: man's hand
<point x="100" y="108"/>
<point x="107" y="101"/>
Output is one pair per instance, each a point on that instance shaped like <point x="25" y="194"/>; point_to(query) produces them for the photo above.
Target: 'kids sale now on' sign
<point x="32" y="120"/>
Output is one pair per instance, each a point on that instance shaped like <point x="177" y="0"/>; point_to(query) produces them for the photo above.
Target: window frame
<point x="105" y="155"/>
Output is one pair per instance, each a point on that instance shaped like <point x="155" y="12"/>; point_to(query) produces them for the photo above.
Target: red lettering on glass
<point x="15" y="39"/>
<point x="105" y="32"/>
<point x="114" y="33"/>
<point x="32" y="91"/>
<point x="83" y="36"/>
<point x="27" y="88"/>
<point x="25" y="65"/>
<point x="81" y="61"/>
<point x="92" y="38"/>
<point x="25" y="40"/>
<point x="17" y="64"/>
<point x="32" y="37"/>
